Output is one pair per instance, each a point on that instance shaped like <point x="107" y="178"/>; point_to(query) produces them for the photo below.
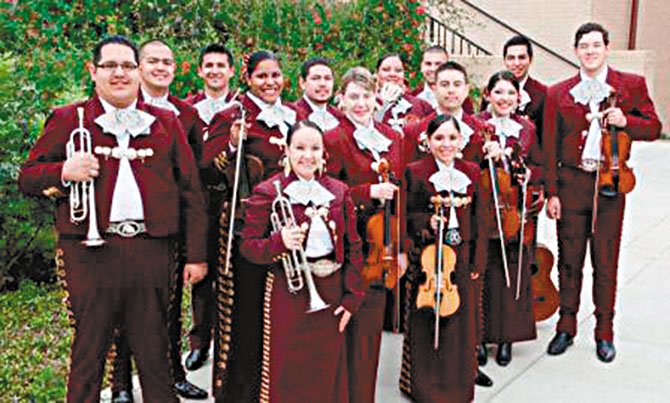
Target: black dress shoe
<point x="504" y="355"/>
<point x="605" y="350"/>
<point x="559" y="343"/>
<point x="122" y="396"/>
<point x="195" y="359"/>
<point x="187" y="390"/>
<point x="482" y="354"/>
<point x="483" y="380"/>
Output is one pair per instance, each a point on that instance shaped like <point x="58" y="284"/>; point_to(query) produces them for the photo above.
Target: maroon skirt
<point x="448" y="373"/>
<point x="304" y="359"/>
<point x="507" y="319"/>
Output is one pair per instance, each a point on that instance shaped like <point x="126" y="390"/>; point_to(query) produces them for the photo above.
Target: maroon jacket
<point x="535" y="109"/>
<point x="565" y="120"/>
<point x="256" y="144"/>
<point x="348" y="163"/>
<point x="168" y="180"/>
<point x="261" y="246"/>
<point x="194" y="127"/>
<point x="474" y="220"/>
<point x="471" y="152"/>
<point x="304" y="110"/>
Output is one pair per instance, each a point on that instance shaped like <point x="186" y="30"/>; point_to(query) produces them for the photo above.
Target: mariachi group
<point x="305" y="229"/>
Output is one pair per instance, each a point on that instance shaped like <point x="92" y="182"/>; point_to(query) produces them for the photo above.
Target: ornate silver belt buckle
<point x="589" y="165"/>
<point x="127" y="229"/>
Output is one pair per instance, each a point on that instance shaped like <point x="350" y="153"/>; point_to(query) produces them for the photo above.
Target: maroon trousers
<point x="123" y="284"/>
<point x="574" y="232"/>
<point x="121" y="378"/>
<point x="364" y="337"/>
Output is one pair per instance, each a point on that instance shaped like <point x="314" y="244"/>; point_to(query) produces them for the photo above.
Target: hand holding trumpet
<point x="293" y="236"/>
<point x="80" y="167"/>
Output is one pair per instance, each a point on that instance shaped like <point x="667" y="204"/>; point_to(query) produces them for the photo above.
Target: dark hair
<point x="215" y="48"/>
<point x="115" y="39"/>
<point x="438" y="121"/>
<point x="388" y="56"/>
<point x="591" y="27"/>
<point x="256" y="58"/>
<point x="519" y="40"/>
<point x="152" y="42"/>
<point x="434" y="49"/>
<point x="503" y="75"/>
<point x="451" y="65"/>
<point x="301" y="124"/>
<point x="315" y="61"/>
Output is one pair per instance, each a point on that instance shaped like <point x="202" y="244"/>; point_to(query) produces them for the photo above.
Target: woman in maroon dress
<point x="445" y="374"/>
<point x="304" y="359"/>
<point x="238" y="333"/>
<point x="398" y="106"/>
<point x="355" y="147"/>
<point x="508" y="312"/>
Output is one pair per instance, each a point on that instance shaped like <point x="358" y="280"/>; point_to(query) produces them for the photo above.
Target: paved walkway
<point x="642" y="325"/>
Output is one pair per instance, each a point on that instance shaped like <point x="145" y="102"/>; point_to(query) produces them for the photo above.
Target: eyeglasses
<point x="112" y="66"/>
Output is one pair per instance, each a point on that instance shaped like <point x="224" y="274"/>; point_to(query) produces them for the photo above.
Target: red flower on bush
<point x="318" y="46"/>
<point x="408" y="47"/>
<point x="316" y="18"/>
<point x="421" y="10"/>
<point x="185" y="66"/>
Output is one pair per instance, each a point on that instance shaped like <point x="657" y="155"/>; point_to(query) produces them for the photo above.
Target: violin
<point x="381" y="267"/>
<point x="438" y="262"/>
<point x="614" y="175"/>
<point x="501" y="184"/>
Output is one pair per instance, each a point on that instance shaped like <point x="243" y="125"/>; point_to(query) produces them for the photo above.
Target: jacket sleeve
<point x="192" y="197"/>
<point x="43" y="169"/>
<point x="353" y="260"/>
<point x="550" y="142"/>
<point x="642" y="120"/>
<point x="259" y="245"/>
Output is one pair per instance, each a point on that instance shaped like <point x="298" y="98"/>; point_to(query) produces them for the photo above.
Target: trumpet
<point x="82" y="194"/>
<point x="294" y="263"/>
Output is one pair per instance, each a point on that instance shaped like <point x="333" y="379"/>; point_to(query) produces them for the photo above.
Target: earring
<point x="287" y="166"/>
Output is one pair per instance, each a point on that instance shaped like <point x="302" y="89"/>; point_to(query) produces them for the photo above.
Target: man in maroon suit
<point x="573" y="154"/>
<point x="518" y="56"/>
<point x="432" y="58"/>
<point x="216" y="67"/>
<point x="317" y="82"/>
<point x="145" y="180"/>
<point x="157" y="68"/>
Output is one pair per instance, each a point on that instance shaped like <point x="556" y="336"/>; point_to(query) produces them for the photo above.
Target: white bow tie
<point x="324" y="119"/>
<point x="209" y="107"/>
<point x="506" y="127"/>
<point x="590" y="91"/>
<point x="278" y="115"/>
<point x="164" y="104"/>
<point x="370" y="139"/>
<point x="306" y="192"/>
<point x="450" y="180"/>
<point x="125" y="121"/>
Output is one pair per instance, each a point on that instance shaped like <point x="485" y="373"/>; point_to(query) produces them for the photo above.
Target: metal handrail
<point x="440" y="34"/>
<point x="509" y="27"/>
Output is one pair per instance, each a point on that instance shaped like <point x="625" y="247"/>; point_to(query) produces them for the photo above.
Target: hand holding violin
<point x="615" y="117"/>
<point x="383" y="191"/>
<point x="492" y="149"/>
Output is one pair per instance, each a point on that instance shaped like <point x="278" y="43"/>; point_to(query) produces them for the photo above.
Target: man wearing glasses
<point x="145" y="180"/>
<point x="157" y="68"/>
